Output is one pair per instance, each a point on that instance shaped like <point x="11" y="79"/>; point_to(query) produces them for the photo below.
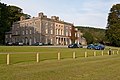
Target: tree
<point x="113" y="27"/>
<point x="4" y="23"/>
<point x="96" y="35"/>
<point x="89" y="38"/>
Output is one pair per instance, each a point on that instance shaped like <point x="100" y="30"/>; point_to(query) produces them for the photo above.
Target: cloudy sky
<point x="80" y="12"/>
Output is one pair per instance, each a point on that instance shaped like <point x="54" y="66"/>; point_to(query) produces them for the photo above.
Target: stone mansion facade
<point x="41" y="29"/>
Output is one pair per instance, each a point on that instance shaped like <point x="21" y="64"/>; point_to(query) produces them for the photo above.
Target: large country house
<point x="42" y="29"/>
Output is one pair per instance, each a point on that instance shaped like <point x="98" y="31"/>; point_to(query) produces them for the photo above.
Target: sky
<point x="93" y="13"/>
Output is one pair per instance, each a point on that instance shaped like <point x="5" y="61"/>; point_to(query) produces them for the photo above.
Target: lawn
<point x="20" y="54"/>
<point x="91" y="68"/>
<point x="23" y="65"/>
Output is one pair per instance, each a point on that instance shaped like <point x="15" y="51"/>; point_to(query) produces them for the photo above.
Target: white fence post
<point x="8" y="59"/>
<point x="86" y="54"/>
<point x="94" y="53"/>
<point x="59" y="56"/>
<point x="74" y="55"/>
<point x="37" y="57"/>
<point x="102" y="53"/>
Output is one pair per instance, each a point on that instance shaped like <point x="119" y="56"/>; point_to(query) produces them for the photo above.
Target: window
<point x="46" y="31"/>
<point x="10" y="36"/>
<point x="23" y="33"/>
<point x="78" y="35"/>
<point x="26" y="31"/>
<point x="30" y="31"/>
<point x="75" y="34"/>
<point x="46" y="41"/>
<point x="66" y="33"/>
<point x="61" y="32"/>
<point x="34" y="30"/>
<point x="57" y="41"/>
<point x="34" y="40"/>
<point x="51" y="31"/>
<point x="51" y="41"/>
<point x="70" y="33"/>
<point x="58" y="31"/>
<point x="16" y="33"/>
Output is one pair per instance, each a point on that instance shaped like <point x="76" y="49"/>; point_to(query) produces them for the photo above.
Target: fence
<point x="12" y="58"/>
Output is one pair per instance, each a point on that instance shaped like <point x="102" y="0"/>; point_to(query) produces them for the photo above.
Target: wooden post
<point x="85" y="54"/>
<point x="102" y="53"/>
<point x="8" y="59"/>
<point x="37" y="57"/>
<point x="74" y="55"/>
<point x="59" y="56"/>
<point x="94" y="53"/>
<point x="108" y="52"/>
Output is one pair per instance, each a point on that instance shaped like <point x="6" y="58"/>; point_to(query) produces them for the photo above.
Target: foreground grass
<point x="19" y="54"/>
<point x="91" y="68"/>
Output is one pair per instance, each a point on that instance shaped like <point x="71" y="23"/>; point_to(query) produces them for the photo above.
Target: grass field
<point x="91" y="68"/>
<point x="23" y="66"/>
<point x="20" y="54"/>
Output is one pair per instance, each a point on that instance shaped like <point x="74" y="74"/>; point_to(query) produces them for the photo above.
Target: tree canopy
<point x="92" y="35"/>
<point x="113" y="26"/>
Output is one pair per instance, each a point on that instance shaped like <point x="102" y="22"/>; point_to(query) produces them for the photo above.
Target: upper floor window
<point x="78" y="35"/>
<point x="66" y="33"/>
<point x="57" y="32"/>
<point x="75" y="34"/>
<point x="70" y="33"/>
<point x="46" y="31"/>
<point x="51" y="31"/>
<point x="61" y="32"/>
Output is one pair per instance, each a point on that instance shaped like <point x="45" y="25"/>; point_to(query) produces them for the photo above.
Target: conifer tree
<point x="113" y="26"/>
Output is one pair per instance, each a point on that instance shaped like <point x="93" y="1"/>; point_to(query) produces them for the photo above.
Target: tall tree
<point x="4" y="23"/>
<point x="113" y="27"/>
